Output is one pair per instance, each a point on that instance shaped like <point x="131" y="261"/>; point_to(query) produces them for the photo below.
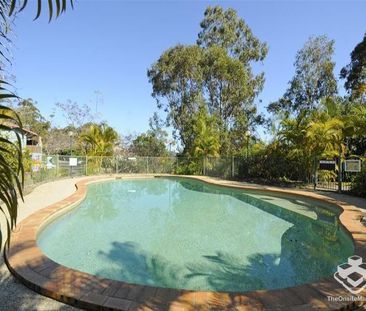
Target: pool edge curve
<point x="27" y="262"/>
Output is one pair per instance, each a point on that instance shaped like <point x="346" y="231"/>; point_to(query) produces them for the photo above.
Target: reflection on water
<point x="183" y="233"/>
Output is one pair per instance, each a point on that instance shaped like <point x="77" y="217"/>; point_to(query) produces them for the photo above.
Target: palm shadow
<point x="131" y="264"/>
<point x="224" y="272"/>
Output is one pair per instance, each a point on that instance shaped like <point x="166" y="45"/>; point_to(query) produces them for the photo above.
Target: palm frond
<point x="55" y="7"/>
<point x="100" y="139"/>
<point x="11" y="168"/>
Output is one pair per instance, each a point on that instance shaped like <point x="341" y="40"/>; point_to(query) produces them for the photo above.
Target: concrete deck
<point x="28" y="262"/>
<point x="13" y="294"/>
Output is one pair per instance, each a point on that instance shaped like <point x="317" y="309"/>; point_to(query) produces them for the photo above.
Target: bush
<point x="189" y="166"/>
<point x="272" y="168"/>
<point x="358" y="186"/>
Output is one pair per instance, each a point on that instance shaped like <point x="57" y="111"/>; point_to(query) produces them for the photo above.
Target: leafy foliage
<point x="56" y="141"/>
<point x="148" y="145"/>
<point x="356" y="138"/>
<point x="355" y="73"/>
<point x="55" y="7"/>
<point x="223" y="28"/>
<point x="205" y="140"/>
<point x="153" y="142"/>
<point x="358" y="186"/>
<point x="31" y="117"/>
<point x="310" y="137"/>
<point x="273" y="164"/>
<point x="11" y="166"/>
<point x="11" y="169"/>
<point x="99" y="140"/>
<point x="313" y="80"/>
<point x="215" y="73"/>
<point x="177" y="77"/>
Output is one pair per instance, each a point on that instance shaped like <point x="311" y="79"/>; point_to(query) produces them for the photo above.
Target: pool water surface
<point x="186" y="234"/>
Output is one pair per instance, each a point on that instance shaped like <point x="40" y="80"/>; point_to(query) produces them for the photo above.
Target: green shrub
<point x="189" y="166"/>
<point x="358" y="186"/>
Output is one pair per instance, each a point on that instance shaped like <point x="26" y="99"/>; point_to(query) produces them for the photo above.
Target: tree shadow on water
<point x="221" y="272"/>
<point x="133" y="265"/>
<point x="224" y="275"/>
<point x="224" y="272"/>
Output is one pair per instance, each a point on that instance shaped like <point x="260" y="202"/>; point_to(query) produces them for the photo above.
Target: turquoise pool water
<point x="182" y="233"/>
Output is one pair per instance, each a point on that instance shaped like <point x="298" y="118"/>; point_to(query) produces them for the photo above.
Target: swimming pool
<point x="185" y="234"/>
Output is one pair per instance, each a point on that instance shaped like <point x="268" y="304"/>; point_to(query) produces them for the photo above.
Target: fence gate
<point x="71" y="165"/>
<point x="328" y="176"/>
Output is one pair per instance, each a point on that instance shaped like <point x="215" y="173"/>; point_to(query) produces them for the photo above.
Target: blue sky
<point x="109" y="45"/>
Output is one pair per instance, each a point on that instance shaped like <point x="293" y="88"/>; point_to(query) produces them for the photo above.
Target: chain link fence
<point x="266" y="170"/>
<point x="51" y="167"/>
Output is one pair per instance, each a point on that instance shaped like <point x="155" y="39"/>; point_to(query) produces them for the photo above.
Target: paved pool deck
<point x="15" y="296"/>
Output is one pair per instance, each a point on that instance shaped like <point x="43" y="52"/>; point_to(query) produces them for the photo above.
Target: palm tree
<point x="325" y="137"/>
<point x="320" y="134"/>
<point x="11" y="165"/>
<point x="326" y="133"/>
<point x="357" y="120"/>
<point x="206" y="142"/>
<point x="292" y="136"/>
<point x="99" y="140"/>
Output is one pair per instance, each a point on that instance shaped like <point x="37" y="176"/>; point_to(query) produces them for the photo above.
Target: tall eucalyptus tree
<point x="355" y="73"/>
<point x="313" y="80"/>
<point x="216" y="72"/>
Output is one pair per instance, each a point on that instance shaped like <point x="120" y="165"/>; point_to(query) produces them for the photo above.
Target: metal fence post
<point x="232" y="167"/>
<point x="57" y="165"/>
<point x="70" y="167"/>
<point x="86" y="165"/>
<point x="340" y="170"/>
<point x="116" y="159"/>
<point x="147" y="165"/>
<point x="204" y="166"/>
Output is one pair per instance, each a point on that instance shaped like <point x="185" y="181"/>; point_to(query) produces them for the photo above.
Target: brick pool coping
<point x="27" y="262"/>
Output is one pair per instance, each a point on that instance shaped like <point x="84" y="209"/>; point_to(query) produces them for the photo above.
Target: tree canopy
<point x="148" y="145"/>
<point x="99" y="140"/>
<point x="216" y="73"/>
<point x="313" y="80"/>
<point x="31" y="117"/>
<point x="225" y="29"/>
<point x="355" y="73"/>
